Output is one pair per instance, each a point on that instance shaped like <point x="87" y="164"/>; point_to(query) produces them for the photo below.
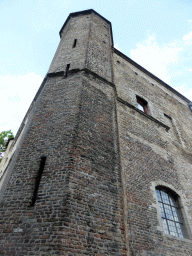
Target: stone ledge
<point x="73" y="71"/>
<point x="186" y="240"/>
<point x="142" y="113"/>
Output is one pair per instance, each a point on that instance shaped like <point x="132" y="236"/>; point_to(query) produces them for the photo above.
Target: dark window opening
<point x="67" y="69"/>
<point x="37" y="180"/>
<point x="167" y="116"/>
<point x="141" y="104"/>
<point x="74" y="43"/>
<point x="170" y="212"/>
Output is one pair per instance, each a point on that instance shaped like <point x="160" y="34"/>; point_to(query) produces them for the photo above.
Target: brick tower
<point x="64" y="196"/>
<point x="101" y="164"/>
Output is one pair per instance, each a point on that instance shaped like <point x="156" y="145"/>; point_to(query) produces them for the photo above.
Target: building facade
<point x="102" y="162"/>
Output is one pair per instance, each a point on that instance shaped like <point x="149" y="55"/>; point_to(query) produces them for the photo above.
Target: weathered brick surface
<point x="149" y="154"/>
<point x="104" y="156"/>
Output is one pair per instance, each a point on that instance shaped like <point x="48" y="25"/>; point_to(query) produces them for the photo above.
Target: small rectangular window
<point x="141" y="104"/>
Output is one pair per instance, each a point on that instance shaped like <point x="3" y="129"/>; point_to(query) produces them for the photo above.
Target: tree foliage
<point x="4" y="137"/>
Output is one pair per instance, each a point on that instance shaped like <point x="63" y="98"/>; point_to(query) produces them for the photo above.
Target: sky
<point x="157" y="34"/>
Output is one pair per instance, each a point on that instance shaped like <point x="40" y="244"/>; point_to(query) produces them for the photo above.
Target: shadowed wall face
<point x="70" y="204"/>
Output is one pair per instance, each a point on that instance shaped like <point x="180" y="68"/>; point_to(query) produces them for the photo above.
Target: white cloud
<point x="117" y="47"/>
<point x="157" y="59"/>
<point x="17" y="93"/>
<point x="7" y="3"/>
<point x="188" y="38"/>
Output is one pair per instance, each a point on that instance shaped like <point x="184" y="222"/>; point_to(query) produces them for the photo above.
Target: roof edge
<point x="89" y="11"/>
<point x="150" y="74"/>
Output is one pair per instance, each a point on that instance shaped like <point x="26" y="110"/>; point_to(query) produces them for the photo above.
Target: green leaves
<point x="4" y="137"/>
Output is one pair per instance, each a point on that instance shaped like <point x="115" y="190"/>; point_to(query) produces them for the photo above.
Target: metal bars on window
<point x="170" y="213"/>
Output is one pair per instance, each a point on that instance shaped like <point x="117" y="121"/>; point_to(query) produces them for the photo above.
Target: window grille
<point x="170" y="213"/>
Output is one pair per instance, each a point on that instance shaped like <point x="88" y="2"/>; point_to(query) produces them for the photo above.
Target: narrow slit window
<point x="67" y="69"/>
<point x="37" y="180"/>
<point x="74" y="43"/>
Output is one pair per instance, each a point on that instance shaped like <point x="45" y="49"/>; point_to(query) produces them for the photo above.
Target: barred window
<point x="170" y="212"/>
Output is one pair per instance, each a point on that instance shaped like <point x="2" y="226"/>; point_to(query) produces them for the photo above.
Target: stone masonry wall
<point x="77" y="28"/>
<point x="104" y="157"/>
<point x="79" y="205"/>
<point x="35" y="230"/>
<point x="150" y="154"/>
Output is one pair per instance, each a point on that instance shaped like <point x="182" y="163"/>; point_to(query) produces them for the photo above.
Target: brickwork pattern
<point x="149" y="153"/>
<point x="103" y="156"/>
